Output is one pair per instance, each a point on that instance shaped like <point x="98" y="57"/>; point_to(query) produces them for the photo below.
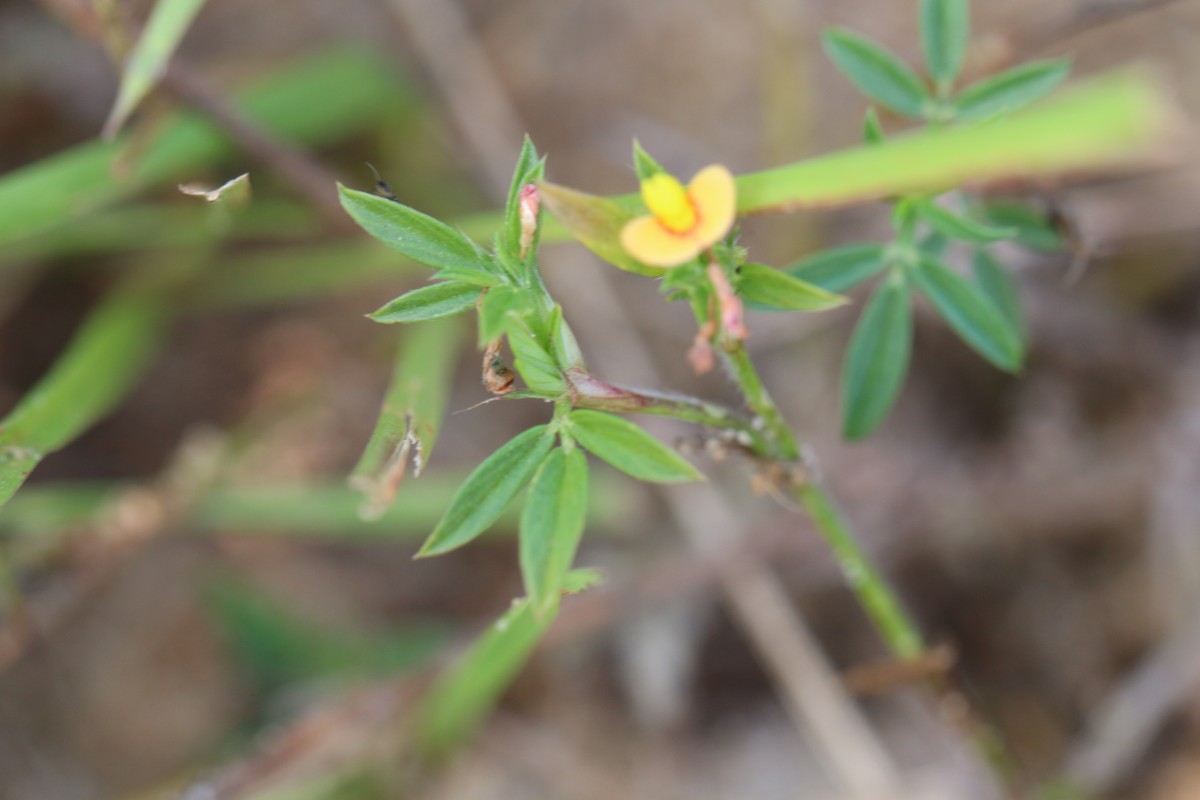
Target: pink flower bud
<point x="529" y="203"/>
<point x="700" y="356"/>
<point x="732" y="316"/>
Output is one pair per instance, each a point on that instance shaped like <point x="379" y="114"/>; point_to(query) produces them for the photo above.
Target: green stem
<point x="882" y="605"/>
<point x="877" y="599"/>
<point x="760" y="402"/>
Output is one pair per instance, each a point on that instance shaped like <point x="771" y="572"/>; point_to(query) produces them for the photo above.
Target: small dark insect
<point x="1080" y="251"/>
<point x="382" y="187"/>
<point x="497" y="377"/>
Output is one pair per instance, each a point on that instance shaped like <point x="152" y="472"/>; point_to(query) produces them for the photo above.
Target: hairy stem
<point x="760" y="402"/>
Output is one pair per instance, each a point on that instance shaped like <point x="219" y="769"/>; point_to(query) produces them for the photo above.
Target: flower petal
<point x="715" y="197"/>
<point x="669" y="202"/>
<point x="648" y="241"/>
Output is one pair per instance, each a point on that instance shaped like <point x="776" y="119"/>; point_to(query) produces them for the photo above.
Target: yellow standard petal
<point x="669" y="202"/>
<point x="714" y="197"/>
<point x="648" y="241"/>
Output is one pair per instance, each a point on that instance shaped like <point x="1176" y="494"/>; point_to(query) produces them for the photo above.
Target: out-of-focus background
<point x="193" y="607"/>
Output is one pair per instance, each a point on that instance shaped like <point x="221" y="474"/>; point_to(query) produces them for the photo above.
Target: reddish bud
<point x="732" y="315"/>
<point x="529" y="203"/>
<point x="700" y="356"/>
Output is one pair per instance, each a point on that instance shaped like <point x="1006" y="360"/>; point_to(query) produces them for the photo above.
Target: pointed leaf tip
<point x="488" y="490"/>
<point x="971" y="314"/>
<point x="629" y="448"/>
<point x="876" y="72"/>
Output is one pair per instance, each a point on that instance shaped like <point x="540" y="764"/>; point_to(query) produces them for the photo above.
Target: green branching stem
<point x="778" y="444"/>
<point x="784" y="445"/>
<point x="769" y="437"/>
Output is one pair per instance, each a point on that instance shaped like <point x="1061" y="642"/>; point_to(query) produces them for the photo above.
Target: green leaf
<point x="597" y="222"/>
<point x="429" y="302"/>
<point x="419" y="236"/>
<point x="684" y="278"/>
<point x="877" y="359"/>
<point x="461" y="698"/>
<point x="148" y="59"/>
<point x="629" y="448"/>
<point x="841" y="268"/>
<point x="971" y="314"/>
<point x="528" y="170"/>
<point x="552" y="525"/>
<point x="532" y="360"/>
<point x="872" y="129"/>
<point x="945" y="26"/>
<point x="933" y="244"/>
<point x="1010" y="90"/>
<point x="493" y="311"/>
<point x="956" y="226"/>
<point x="1033" y="228"/>
<point x="764" y="286"/>
<point x="579" y="580"/>
<point x="102" y="363"/>
<point x="475" y="277"/>
<point x="488" y="490"/>
<point x="904" y="218"/>
<point x="998" y="286"/>
<point x="508" y="259"/>
<point x="566" y="350"/>
<point x="877" y="73"/>
<point x="643" y="163"/>
<point x="411" y="415"/>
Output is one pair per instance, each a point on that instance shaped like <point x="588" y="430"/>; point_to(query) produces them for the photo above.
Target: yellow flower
<point x="682" y="222"/>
